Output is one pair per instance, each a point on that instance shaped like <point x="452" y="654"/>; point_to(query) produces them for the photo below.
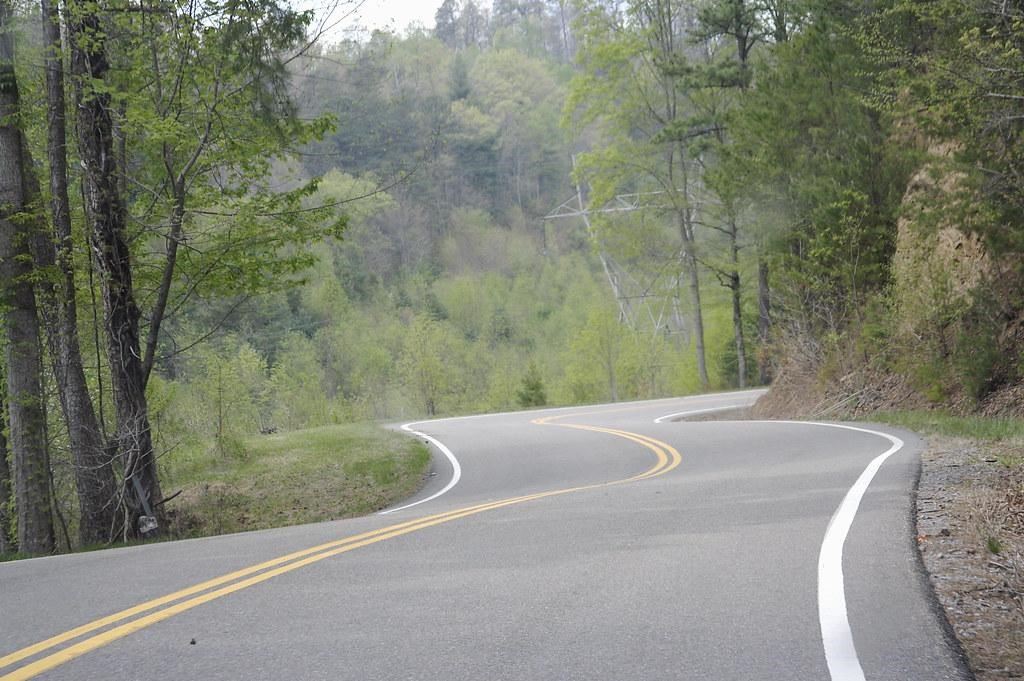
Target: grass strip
<point x="292" y="478"/>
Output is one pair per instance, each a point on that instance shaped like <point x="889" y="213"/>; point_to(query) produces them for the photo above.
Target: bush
<point x="532" y="394"/>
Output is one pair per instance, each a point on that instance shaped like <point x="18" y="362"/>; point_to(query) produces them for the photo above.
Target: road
<point x="612" y="542"/>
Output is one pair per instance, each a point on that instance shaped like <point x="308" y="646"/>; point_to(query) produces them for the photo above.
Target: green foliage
<point x="994" y="545"/>
<point x="811" y="141"/>
<point x="976" y="359"/>
<point x="217" y="185"/>
<point x="956" y="349"/>
<point x="531" y="393"/>
<point x="593" y="365"/>
<point x="954" y="67"/>
<point x="430" y="352"/>
<point x="728" y="359"/>
<point x="297" y="383"/>
<point x="877" y="328"/>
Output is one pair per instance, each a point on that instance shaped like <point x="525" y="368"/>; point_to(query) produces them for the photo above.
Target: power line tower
<point x="648" y="302"/>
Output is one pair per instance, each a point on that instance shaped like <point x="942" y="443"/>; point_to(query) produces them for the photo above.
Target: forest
<point x="215" y="223"/>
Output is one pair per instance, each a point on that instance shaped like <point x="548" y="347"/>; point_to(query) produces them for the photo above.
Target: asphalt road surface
<point x="614" y="542"/>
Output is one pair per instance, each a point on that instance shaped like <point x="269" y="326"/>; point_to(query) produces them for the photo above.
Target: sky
<point x="398" y="13"/>
<point x="395" y="15"/>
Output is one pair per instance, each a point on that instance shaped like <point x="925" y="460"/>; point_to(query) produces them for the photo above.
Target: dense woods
<point x="214" y="222"/>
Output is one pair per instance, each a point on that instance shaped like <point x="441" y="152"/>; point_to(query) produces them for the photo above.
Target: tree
<point x="207" y="182"/>
<point x="520" y="95"/>
<point x="627" y="91"/>
<point x="473" y="24"/>
<point x="596" y="352"/>
<point x="107" y="213"/>
<point x="531" y="393"/>
<point x="54" y="252"/>
<point x="826" y="174"/>
<point x="296" y="385"/>
<point x="568" y="40"/>
<point x="8" y="538"/>
<point x="725" y="74"/>
<point x="962" y="66"/>
<point x="23" y="360"/>
<point x="199" y="105"/>
<point x="429" y="350"/>
<point x="228" y="392"/>
<point x="446" y="23"/>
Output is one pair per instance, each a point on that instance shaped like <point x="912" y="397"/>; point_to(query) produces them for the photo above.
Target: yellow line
<point x="667" y="459"/>
<point x="661" y="449"/>
<point x="37" y="648"/>
<point x="78" y="649"/>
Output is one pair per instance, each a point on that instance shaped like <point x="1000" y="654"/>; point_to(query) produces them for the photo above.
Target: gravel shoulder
<point x="970" y="531"/>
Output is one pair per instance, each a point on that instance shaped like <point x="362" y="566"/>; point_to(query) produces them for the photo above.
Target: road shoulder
<point x="972" y="545"/>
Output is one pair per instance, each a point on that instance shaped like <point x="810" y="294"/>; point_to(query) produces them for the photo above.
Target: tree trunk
<point x="737" y="306"/>
<point x="174" y="238"/>
<point x="737" y="330"/>
<point x="8" y="542"/>
<point x="698" y="316"/>
<point x="110" y="249"/>
<point x="609" y="365"/>
<point x="95" y="481"/>
<point x="24" y="364"/>
<point x="764" y="322"/>
<point x="690" y="264"/>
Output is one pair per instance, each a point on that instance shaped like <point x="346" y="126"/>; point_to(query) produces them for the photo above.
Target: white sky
<point x="394" y="15"/>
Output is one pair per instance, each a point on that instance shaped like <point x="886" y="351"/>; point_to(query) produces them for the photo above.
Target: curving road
<point x="612" y="542"/>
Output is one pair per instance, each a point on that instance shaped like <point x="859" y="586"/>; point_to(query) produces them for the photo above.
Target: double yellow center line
<point x="121" y="624"/>
<point x="668" y="457"/>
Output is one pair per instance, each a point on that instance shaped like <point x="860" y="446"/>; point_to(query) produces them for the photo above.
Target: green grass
<point x="942" y="423"/>
<point x="290" y="478"/>
<point x="7" y="557"/>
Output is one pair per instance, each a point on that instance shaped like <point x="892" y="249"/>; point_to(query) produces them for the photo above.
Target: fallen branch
<point x="164" y="501"/>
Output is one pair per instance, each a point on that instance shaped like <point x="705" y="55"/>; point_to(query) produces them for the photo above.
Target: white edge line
<point x="694" y="412"/>
<point x="456" y="469"/>
<point x="836" y="635"/>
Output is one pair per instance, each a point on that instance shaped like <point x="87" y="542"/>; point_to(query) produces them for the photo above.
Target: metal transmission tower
<point x="647" y="302"/>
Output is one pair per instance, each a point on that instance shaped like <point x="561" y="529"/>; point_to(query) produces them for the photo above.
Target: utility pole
<point x="654" y="305"/>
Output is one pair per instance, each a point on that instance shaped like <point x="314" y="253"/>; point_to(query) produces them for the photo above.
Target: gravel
<point x="965" y="509"/>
